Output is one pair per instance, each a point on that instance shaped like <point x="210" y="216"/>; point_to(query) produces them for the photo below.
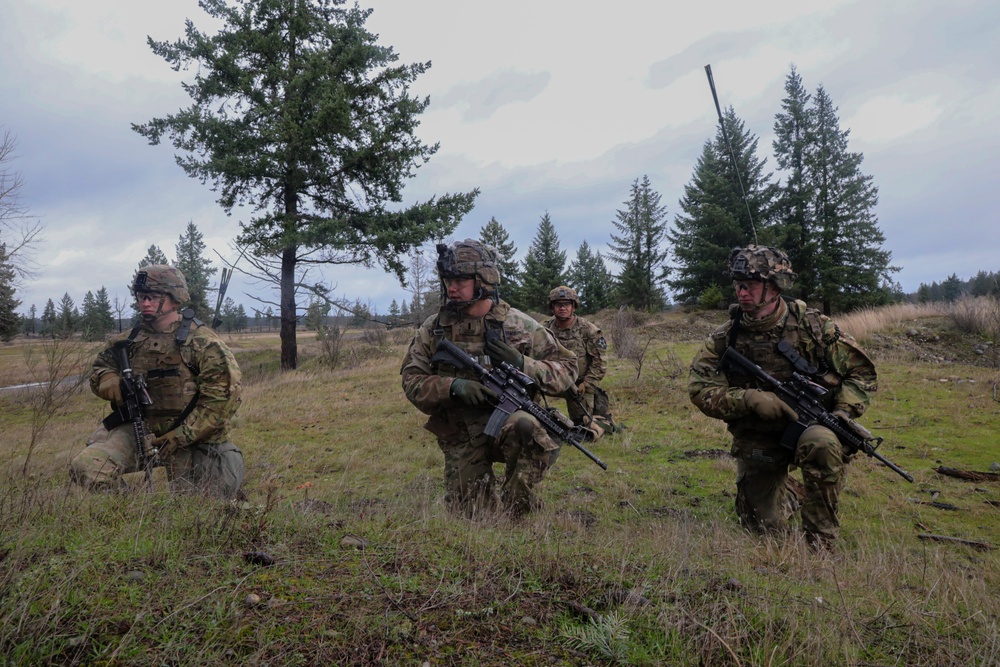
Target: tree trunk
<point x="289" y="349"/>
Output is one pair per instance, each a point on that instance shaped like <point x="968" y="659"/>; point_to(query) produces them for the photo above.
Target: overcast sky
<point x="545" y="106"/>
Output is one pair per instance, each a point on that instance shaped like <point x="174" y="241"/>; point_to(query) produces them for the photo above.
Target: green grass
<point x="338" y="459"/>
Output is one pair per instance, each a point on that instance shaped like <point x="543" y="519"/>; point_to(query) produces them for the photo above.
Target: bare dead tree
<point x="19" y="231"/>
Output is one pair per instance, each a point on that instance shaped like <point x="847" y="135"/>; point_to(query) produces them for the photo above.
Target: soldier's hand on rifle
<point x="166" y="444"/>
<point x="110" y="387"/>
<point x="767" y="405"/>
<point x="501" y="351"/>
<point x="472" y="393"/>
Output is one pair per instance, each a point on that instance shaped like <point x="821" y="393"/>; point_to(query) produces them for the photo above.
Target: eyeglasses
<point x="148" y="296"/>
<point x="745" y="285"/>
<point x="448" y="282"/>
<point x="562" y="304"/>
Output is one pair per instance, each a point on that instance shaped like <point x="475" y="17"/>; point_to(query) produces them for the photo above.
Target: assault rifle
<point x="804" y="397"/>
<point x="514" y="390"/>
<point x="135" y="398"/>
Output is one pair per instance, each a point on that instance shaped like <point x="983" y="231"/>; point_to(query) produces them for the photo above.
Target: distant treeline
<point x="954" y="288"/>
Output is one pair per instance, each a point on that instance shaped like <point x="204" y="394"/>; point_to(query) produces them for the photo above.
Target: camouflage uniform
<point x="765" y="500"/>
<point x="523" y="444"/>
<point x="585" y="339"/>
<point x="199" y="377"/>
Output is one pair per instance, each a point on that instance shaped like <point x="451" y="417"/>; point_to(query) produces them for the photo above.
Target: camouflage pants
<point x="524" y="448"/>
<point x="765" y="501"/>
<point x="212" y="469"/>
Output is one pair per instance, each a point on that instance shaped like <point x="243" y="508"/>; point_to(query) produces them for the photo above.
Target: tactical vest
<point x="166" y="364"/>
<point x="802" y="330"/>
<point x="575" y="340"/>
<point x="470" y="334"/>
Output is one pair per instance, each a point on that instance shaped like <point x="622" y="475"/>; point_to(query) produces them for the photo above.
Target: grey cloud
<point x="483" y="98"/>
<point x="717" y="47"/>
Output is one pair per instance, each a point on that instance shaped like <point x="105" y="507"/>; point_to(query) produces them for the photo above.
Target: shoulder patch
<point x="601" y="343"/>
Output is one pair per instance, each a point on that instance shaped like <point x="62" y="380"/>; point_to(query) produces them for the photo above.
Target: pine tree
<point x="543" y="267"/>
<point x="589" y="276"/>
<point x="197" y="268"/>
<point x="153" y="256"/>
<point x="716" y="218"/>
<point x="299" y="114"/>
<point x="794" y="131"/>
<point x="951" y="289"/>
<point x="68" y="317"/>
<point x="851" y="265"/>
<point x="10" y="321"/>
<point x="240" y="318"/>
<point x="29" y="321"/>
<point x="493" y="234"/>
<point x="96" y="320"/>
<point x="49" y="319"/>
<point x="637" y="248"/>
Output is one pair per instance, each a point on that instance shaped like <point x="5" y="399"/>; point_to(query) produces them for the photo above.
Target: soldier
<point x="756" y="418"/>
<point x="194" y="384"/>
<point x="475" y="318"/>
<point x="586" y="340"/>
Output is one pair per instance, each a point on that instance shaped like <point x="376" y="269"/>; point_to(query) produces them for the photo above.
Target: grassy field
<point x="345" y="554"/>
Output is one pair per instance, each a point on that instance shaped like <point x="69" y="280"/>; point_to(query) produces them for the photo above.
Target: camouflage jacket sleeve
<point x="219" y="383"/>
<point x="105" y="363"/>
<point x="858" y="379"/>
<point x="709" y="388"/>
<point x="547" y="362"/>
<point x="597" y="367"/>
<point x="427" y="391"/>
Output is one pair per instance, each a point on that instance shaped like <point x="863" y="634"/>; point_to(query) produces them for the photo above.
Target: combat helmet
<point x="163" y="279"/>
<point x="564" y="293"/>
<point x="469" y="259"/>
<point x="761" y="263"/>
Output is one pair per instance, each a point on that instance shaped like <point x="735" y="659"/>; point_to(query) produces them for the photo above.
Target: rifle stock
<point x="515" y="391"/>
<point x="803" y="396"/>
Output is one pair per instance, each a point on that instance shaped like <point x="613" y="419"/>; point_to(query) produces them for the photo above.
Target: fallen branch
<point x="968" y="474"/>
<point x="936" y="503"/>
<point x="981" y="546"/>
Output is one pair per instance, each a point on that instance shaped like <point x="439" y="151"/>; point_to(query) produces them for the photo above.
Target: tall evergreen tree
<point x="300" y="114"/>
<point x="153" y="256"/>
<point x="794" y="130"/>
<point x="29" y="321"/>
<point x="851" y="264"/>
<point x="951" y="288"/>
<point x="10" y="321"/>
<point x="638" y="248"/>
<point x="493" y="234"/>
<point x="68" y="316"/>
<point x="197" y="268"/>
<point x="49" y="319"/>
<point x="543" y="269"/>
<point x="589" y="276"/>
<point x="715" y="215"/>
<point x="96" y="320"/>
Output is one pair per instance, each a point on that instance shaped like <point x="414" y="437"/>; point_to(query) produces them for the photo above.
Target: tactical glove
<point x="110" y="388"/>
<point x="472" y="393"/>
<point x="767" y="405"/>
<point x="501" y="351"/>
<point x="166" y="444"/>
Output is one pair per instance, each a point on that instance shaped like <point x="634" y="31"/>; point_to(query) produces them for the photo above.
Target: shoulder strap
<point x="184" y="329"/>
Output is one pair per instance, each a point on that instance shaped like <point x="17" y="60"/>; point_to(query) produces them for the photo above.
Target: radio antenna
<point x="732" y="155"/>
